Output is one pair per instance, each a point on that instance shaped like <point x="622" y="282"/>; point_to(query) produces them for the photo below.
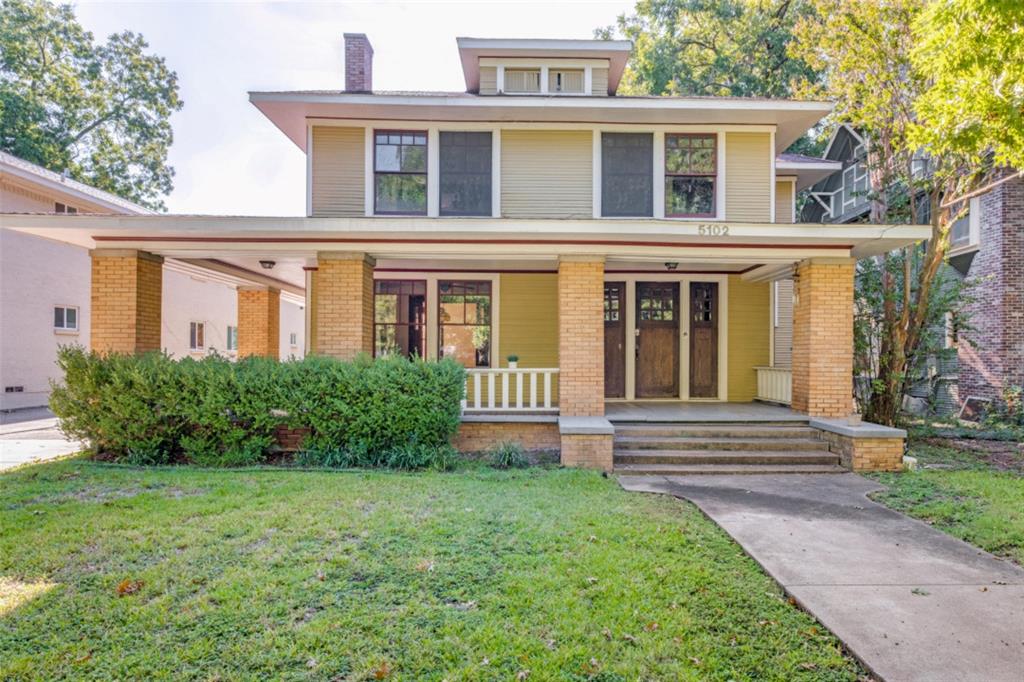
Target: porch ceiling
<point x="757" y="250"/>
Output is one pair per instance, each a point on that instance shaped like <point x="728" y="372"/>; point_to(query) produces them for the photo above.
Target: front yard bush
<point x="152" y="409"/>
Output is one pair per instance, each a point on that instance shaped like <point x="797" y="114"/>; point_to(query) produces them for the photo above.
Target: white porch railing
<point x="510" y="390"/>
<point x="775" y="384"/>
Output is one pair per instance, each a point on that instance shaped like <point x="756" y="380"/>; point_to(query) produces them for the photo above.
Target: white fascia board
<point x="465" y="43"/>
<point x="75" y="189"/>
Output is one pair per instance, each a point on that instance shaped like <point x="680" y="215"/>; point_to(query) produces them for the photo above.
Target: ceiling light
<point x="267" y="264"/>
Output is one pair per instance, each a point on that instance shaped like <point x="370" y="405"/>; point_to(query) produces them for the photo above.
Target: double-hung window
<point x="465" y="173"/>
<point x="400" y="172"/>
<point x="65" y="318"/>
<point x="232" y="338"/>
<point x="464" y="329"/>
<point x="196" y="336"/>
<point x="627" y="175"/>
<point x="690" y="169"/>
<point x="399" y="317"/>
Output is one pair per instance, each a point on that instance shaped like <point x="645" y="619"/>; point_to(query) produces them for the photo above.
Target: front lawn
<point x="541" y="574"/>
<point x="972" y="488"/>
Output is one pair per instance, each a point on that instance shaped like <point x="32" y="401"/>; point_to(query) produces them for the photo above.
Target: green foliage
<point x="100" y="111"/>
<point x="507" y="455"/>
<point x="151" y="409"/>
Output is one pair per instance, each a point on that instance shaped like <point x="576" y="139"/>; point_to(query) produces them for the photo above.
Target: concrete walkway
<point x="911" y="602"/>
<point x="32" y="441"/>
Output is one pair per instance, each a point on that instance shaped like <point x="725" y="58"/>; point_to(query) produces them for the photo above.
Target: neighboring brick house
<point x="986" y="246"/>
<point x="44" y="290"/>
<point x="587" y="256"/>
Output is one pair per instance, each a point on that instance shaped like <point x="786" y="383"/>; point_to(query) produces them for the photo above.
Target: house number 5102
<point x="705" y="230"/>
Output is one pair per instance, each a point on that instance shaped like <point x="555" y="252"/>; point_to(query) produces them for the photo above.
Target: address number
<point x="705" y="230"/>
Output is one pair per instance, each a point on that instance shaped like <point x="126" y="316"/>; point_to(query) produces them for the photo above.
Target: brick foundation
<point x="343" y="315"/>
<point x="581" y="336"/>
<point x="587" y="451"/>
<point x="822" y="356"/>
<point x="289" y="440"/>
<point x="532" y="436"/>
<point x="127" y="287"/>
<point x="259" y="322"/>
<point x="866" y="454"/>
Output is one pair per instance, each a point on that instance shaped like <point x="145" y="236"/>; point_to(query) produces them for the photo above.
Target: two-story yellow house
<point x="596" y="261"/>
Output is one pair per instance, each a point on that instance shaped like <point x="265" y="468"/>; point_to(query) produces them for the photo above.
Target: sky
<point x="229" y="159"/>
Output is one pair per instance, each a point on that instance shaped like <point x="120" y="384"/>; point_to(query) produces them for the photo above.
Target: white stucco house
<point x="45" y="289"/>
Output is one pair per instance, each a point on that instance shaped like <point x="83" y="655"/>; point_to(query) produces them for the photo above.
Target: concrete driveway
<point x="31" y="441"/>
<point x="911" y="602"/>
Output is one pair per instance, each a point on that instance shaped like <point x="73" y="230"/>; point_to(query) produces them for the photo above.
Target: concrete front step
<point x="724" y="469"/>
<point x="715" y="431"/>
<point x="725" y="457"/>
<point x="687" y="443"/>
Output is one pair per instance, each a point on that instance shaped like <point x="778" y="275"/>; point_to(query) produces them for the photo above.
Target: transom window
<point x="464" y="322"/>
<point x="399" y="317"/>
<point x="196" y="336"/>
<point x="627" y="187"/>
<point x="400" y="172"/>
<point x="690" y="170"/>
<point x="465" y="173"/>
<point x="65" y="318"/>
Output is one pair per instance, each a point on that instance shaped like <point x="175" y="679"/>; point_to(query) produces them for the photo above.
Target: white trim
<point x="196" y="349"/>
<point x="544" y="79"/>
<point x="433" y="172"/>
<point x="596" y="179"/>
<point x="465" y="43"/>
<point x="659" y="174"/>
<point x="66" y="329"/>
<point x="412" y="123"/>
<point x="368" y="152"/>
<point x="771" y="183"/>
<point x="773" y="319"/>
<point x="500" y="80"/>
<point x="722" y="177"/>
<point x="496" y="173"/>
<point x="588" y="80"/>
<point x="537" y="62"/>
<point x="309" y="169"/>
<point x="432" y="278"/>
<point x="684" y="281"/>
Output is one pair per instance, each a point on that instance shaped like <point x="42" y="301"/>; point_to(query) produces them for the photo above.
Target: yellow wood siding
<point x="529" y="319"/>
<point x="784" y="201"/>
<point x="599" y="82"/>
<point x="748" y="160"/>
<point x="338" y="172"/>
<point x="784" y="329"/>
<point x="546" y="173"/>
<point x="488" y="80"/>
<point x="749" y="340"/>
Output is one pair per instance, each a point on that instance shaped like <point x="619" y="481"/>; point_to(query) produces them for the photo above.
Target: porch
<point x="677" y="412"/>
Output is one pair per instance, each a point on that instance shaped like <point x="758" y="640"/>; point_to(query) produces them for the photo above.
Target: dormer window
<point x="522" y="80"/>
<point x="566" y="80"/>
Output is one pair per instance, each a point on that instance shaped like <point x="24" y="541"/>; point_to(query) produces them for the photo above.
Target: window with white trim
<point x="566" y="80"/>
<point x="966" y="231"/>
<point x="196" y="336"/>
<point x="293" y="339"/>
<point x="232" y="338"/>
<point x="522" y="80"/>
<point x="65" y="318"/>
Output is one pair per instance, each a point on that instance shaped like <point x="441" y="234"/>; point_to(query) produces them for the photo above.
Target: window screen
<point x="627" y="175"/>
<point x="465" y="173"/>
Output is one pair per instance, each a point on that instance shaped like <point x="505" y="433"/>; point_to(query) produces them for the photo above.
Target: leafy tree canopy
<point x="713" y="47"/>
<point x="98" y="111"/>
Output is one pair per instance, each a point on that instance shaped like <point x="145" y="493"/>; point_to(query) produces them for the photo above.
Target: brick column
<point x="127" y="287"/>
<point x="581" y="336"/>
<point x="823" y="337"/>
<point x="343" y="305"/>
<point x="259" y="322"/>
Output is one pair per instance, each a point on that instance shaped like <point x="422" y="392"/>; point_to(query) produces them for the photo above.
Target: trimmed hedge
<point x="152" y="409"/>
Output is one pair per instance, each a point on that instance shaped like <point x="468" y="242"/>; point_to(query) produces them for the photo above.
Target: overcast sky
<point x="230" y="159"/>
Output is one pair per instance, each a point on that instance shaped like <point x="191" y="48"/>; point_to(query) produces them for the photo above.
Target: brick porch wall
<point x="581" y="336"/>
<point x="866" y="454"/>
<point x="997" y="313"/>
<point x="590" y="452"/>
<point x="344" y="305"/>
<point x="823" y="337"/>
<point x="479" y="436"/>
<point x="259" y="322"/>
<point x="126" y="301"/>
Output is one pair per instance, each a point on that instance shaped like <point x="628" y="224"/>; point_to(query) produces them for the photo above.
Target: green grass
<point x="473" y="575"/>
<point x="974" y="495"/>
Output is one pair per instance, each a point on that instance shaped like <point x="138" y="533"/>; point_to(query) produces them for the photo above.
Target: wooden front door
<point x="657" y="341"/>
<point x="703" y="339"/>
<point x="614" y="340"/>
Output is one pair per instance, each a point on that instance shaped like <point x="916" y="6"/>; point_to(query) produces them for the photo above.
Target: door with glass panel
<point x="657" y="339"/>
<point x="703" y="340"/>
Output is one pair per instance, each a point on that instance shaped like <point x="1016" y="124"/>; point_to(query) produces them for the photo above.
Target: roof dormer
<point x="543" y="67"/>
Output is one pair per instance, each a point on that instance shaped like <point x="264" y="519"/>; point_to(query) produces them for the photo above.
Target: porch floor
<point x="690" y="412"/>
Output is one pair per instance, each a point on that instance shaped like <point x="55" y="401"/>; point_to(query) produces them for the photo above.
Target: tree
<point x="885" y="66"/>
<point x="734" y="48"/>
<point x="97" y="111"/>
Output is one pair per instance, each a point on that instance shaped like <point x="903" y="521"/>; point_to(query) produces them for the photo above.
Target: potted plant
<point x="513" y="361"/>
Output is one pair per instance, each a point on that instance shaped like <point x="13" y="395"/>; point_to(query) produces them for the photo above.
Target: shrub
<point x="152" y="409"/>
<point x="507" y="455"/>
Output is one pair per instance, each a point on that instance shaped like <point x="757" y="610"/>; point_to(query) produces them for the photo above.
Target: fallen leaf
<point x="522" y="675"/>
<point x="425" y="565"/>
<point x="808" y="666"/>
<point x="382" y="671"/>
<point x="592" y="580"/>
<point x="320" y="576"/>
<point x="651" y="627"/>
<point x="696" y="661"/>
<point x="607" y="634"/>
<point x="919" y="592"/>
<point x="128" y="586"/>
<point x="629" y="638"/>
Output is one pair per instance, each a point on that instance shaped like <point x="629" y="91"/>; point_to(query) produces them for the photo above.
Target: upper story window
<point x="64" y="208"/>
<point x="65" y="318"/>
<point x="627" y="174"/>
<point x="522" y="80"/>
<point x="465" y="186"/>
<point x="966" y="231"/>
<point x="566" y="80"/>
<point x="690" y="175"/>
<point x="400" y="172"/>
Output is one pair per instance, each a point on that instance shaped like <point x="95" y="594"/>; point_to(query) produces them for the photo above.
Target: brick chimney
<point x="358" y="63"/>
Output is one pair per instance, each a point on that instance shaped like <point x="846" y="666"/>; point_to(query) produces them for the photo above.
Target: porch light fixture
<point x="671" y="266"/>
<point x="267" y="264"/>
